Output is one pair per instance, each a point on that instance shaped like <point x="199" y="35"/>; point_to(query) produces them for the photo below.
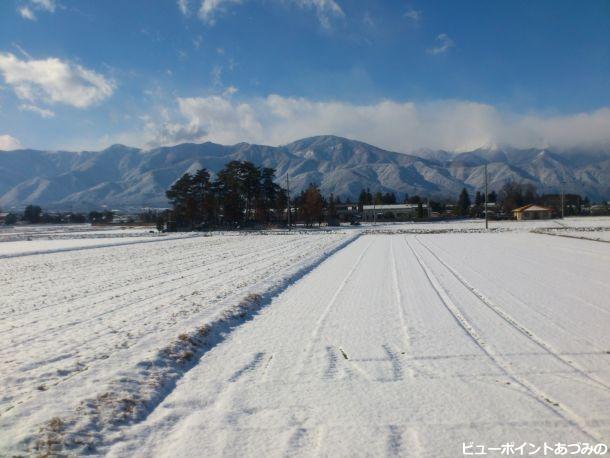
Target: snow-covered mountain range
<point x="121" y="177"/>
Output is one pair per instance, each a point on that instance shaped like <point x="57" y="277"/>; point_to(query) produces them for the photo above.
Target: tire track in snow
<point x="249" y="368"/>
<point x="548" y="317"/>
<point x="547" y="348"/>
<point x="353" y="365"/>
<point x="395" y="441"/>
<point x="331" y="359"/>
<point x="303" y="439"/>
<point x="401" y="313"/>
<point x="572" y="418"/>
<point x="397" y="368"/>
<point x="569" y="236"/>
<point x="324" y="315"/>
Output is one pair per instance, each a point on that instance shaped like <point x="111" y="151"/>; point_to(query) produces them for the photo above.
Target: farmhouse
<point x="532" y="211"/>
<point x="391" y="211"/>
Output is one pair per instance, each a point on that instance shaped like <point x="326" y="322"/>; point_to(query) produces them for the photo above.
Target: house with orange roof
<point x="532" y="211"/>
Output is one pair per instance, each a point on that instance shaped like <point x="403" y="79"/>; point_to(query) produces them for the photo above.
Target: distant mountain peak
<point x="121" y="176"/>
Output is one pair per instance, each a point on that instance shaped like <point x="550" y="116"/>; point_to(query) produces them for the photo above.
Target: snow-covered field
<point x="80" y="324"/>
<point x="407" y="345"/>
<point x="395" y="342"/>
<point x="70" y="231"/>
<point x="476" y="225"/>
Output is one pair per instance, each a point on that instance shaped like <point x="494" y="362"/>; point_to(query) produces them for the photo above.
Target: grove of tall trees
<point x="241" y="195"/>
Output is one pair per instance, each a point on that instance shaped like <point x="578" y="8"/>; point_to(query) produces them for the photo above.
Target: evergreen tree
<point x="10" y="219"/>
<point x="32" y="214"/>
<point x="181" y="196"/>
<point x="479" y="199"/>
<point x="389" y="198"/>
<point x="463" y="203"/>
<point x="201" y="192"/>
<point x="270" y="192"/>
<point x="228" y="186"/>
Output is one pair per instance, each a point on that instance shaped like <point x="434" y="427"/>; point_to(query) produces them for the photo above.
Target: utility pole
<point x="486" y="218"/>
<point x="428" y="207"/>
<point x="374" y="211"/>
<point x="289" y="210"/>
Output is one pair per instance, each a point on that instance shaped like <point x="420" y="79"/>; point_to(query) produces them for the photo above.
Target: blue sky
<point x="400" y="74"/>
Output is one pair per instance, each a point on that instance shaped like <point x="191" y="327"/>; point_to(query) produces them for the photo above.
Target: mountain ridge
<point x="122" y="177"/>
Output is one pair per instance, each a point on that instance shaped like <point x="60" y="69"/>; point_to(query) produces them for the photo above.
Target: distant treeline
<point x="34" y="214"/>
<point x="243" y="195"/>
<point x="513" y="195"/>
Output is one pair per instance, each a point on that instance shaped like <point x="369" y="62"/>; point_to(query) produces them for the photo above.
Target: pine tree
<point x="32" y="214"/>
<point x="463" y="204"/>
<point x="180" y="194"/>
<point x="479" y="199"/>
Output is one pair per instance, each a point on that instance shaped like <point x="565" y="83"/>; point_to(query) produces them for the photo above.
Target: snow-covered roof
<point x="391" y="207"/>
<point x="532" y="208"/>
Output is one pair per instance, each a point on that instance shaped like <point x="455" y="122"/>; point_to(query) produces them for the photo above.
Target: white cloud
<point x="210" y="8"/>
<point x="47" y="5"/>
<point x="453" y="125"/>
<point x="443" y="44"/>
<point x="45" y="113"/>
<point x="325" y="9"/>
<point x="183" y="6"/>
<point x="27" y="13"/>
<point x="414" y="15"/>
<point x="368" y="20"/>
<point x="216" y="76"/>
<point x="54" y="81"/>
<point x="8" y="143"/>
<point x="229" y="91"/>
<point x="586" y="130"/>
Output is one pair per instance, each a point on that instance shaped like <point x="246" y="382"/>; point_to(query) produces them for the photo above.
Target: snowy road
<point x="406" y="345"/>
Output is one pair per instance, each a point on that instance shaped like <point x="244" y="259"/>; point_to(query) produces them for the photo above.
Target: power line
<point x="288" y="198"/>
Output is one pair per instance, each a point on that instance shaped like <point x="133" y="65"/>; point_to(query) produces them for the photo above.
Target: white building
<point x="392" y="211"/>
